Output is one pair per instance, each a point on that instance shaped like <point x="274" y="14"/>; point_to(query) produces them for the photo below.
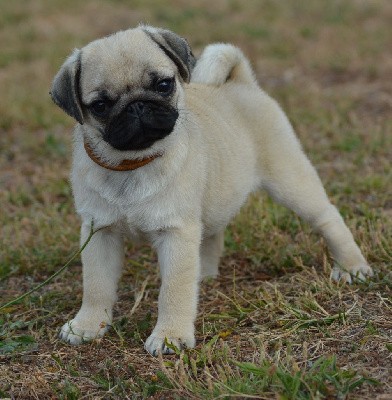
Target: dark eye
<point x="99" y="108"/>
<point x="165" y="86"/>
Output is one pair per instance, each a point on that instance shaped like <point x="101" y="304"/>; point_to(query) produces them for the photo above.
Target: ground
<point x="272" y="325"/>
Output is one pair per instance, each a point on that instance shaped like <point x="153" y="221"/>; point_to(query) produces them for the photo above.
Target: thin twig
<point x="139" y="296"/>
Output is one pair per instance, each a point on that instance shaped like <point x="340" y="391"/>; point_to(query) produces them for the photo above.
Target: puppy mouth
<point x="139" y="125"/>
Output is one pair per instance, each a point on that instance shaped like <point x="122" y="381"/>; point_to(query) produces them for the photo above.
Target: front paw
<point x="358" y="272"/>
<point x="160" y="338"/>
<point x="78" y="331"/>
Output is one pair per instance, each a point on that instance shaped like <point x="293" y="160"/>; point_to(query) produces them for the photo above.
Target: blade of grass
<point x="14" y="301"/>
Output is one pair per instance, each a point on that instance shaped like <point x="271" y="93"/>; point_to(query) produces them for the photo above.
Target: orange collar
<point x="125" y="165"/>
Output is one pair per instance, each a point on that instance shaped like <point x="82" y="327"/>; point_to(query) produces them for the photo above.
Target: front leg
<point x="102" y="261"/>
<point x="179" y="260"/>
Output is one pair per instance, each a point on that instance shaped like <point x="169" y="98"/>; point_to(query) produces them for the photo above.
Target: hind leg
<point x="211" y="250"/>
<point x="291" y="180"/>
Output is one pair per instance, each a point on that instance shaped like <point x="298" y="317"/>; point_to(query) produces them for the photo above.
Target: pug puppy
<point x="168" y="149"/>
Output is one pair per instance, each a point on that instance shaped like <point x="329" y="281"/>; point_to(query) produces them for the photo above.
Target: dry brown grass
<point x="274" y="305"/>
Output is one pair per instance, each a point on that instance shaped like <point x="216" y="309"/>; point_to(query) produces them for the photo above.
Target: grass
<point x="272" y="325"/>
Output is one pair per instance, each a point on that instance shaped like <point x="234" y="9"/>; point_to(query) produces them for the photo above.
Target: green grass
<point x="272" y="325"/>
<point x="215" y="372"/>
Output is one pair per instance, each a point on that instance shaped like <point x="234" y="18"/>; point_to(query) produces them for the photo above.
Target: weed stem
<point x="10" y="303"/>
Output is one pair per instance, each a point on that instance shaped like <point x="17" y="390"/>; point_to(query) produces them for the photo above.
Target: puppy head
<point x="126" y="87"/>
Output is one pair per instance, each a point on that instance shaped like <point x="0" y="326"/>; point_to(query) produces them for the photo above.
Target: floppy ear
<point x="175" y="47"/>
<point x="65" y="87"/>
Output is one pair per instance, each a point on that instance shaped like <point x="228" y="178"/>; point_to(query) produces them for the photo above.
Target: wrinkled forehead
<point x="125" y="61"/>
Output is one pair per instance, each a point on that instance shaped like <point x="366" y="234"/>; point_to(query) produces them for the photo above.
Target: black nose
<point x="135" y="109"/>
<point x="140" y="124"/>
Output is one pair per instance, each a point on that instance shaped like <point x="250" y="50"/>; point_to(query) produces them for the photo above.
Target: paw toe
<point x="163" y="345"/>
<point x="74" y="333"/>
<point x="357" y="273"/>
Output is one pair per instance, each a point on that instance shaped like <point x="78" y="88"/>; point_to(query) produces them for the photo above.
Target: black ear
<point x="175" y="47"/>
<point x="65" y="87"/>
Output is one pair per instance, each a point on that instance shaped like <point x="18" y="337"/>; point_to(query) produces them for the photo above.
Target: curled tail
<point x="220" y="63"/>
